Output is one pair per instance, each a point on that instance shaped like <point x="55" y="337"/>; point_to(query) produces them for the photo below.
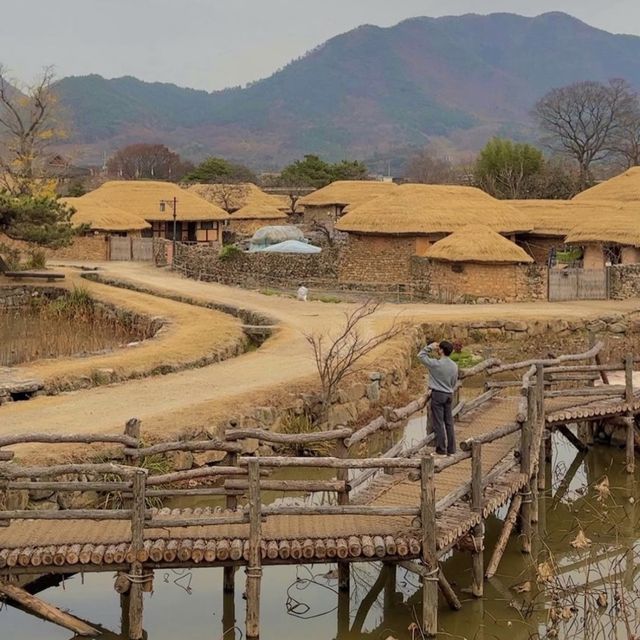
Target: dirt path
<point x="194" y="398"/>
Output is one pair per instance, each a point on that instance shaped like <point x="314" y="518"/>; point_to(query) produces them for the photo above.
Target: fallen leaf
<point x="545" y="572"/>
<point x="603" y="489"/>
<point x="525" y="587"/>
<point x="567" y="614"/>
<point x="581" y="541"/>
<point x="602" y="599"/>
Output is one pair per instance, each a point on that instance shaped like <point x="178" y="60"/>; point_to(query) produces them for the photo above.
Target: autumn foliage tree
<point x="148" y="162"/>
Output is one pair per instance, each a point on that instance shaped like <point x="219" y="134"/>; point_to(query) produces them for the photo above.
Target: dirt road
<point x="169" y="404"/>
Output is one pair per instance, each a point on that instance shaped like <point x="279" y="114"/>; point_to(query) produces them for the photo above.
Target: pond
<point x="302" y="602"/>
<point x="67" y="326"/>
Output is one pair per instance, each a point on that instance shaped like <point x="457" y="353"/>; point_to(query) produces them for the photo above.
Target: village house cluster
<point x="451" y="243"/>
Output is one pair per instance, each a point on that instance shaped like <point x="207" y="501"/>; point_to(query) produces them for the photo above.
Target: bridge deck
<point x="103" y="545"/>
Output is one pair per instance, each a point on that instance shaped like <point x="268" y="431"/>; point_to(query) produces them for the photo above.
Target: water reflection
<point x="521" y="601"/>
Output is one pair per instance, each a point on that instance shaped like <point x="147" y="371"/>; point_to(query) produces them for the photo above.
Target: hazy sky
<point x="211" y="44"/>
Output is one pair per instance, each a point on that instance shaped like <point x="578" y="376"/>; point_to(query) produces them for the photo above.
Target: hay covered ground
<point x="188" y="335"/>
<point x="192" y="399"/>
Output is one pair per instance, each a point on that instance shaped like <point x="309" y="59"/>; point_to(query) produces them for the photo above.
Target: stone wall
<point x="376" y="259"/>
<point x="624" y="281"/>
<point x="92" y="248"/>
<point x="256" y="269"/>
<point x="16" y="296"/>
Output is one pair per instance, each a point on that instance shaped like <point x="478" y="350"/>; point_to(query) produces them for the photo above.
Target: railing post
<point x="132" y="429"/>
<point x="342" y="475"/>
<point x="254" y="568"/>
<point x="429" y="548"/>
<point x="628" y="379"/>
<point x="525" y="468"/>
<point x="231" y="502"/>
<point x="629" y="399"/>
<point x="538" y="444"/>
<point x="477" y="587"/>
<point x="137" y="545"/>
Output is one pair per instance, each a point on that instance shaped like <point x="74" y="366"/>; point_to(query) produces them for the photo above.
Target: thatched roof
<point x="259" y="211"/>
<point x="237" y="196"/>
<point x="620" y="226"/>
<point x="477" y="243"/>
<point x="558" y="217"/>
<point x="347" y="192"/>
<point x="102" y="216"/>
<point x="622" y="188"/>
<point x="423" y="209"/>
<point x="142" y="198"/>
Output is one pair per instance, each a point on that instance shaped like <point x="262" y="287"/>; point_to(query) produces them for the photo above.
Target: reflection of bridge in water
<point x="412" y="516"/>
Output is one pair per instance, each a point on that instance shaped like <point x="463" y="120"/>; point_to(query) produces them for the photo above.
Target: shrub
<point x="37" y="259"/>
<point x="229" y="252"/>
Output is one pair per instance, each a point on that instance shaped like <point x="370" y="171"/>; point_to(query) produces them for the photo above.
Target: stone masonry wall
<point x="256" y="269"/>
<point x="376" y="259"/>
<point x="16" y="296"/>
<point x="92" y="248"/>
<point x="624" y="281"/>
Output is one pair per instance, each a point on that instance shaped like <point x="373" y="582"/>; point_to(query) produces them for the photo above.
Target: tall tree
<point x="217" y="171"/>
<point x="584" y="119"/>
<point x="626" y="142"/>
<point x="314" y="172"/>
<point x="28" y="125"/>
<point x="147" y="162"/>
<point x="505" y="168"/>
<point x="428" y="168"/>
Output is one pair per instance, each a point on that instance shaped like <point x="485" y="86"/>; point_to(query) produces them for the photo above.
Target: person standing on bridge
<point x="443" y="379"/>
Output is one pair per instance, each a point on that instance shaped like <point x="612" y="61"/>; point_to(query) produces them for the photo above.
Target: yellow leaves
<point x="581" y="541"/>
<point x="545" y="572"/>
<point x="557" y="614"/>
<point x="602" y="489"/>
<point x="602" y="600"/>
<point x="525" y="587"/>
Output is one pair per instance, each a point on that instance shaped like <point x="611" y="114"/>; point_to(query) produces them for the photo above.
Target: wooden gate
<point x="128" y="248"/>
<point x="578" y="284"/>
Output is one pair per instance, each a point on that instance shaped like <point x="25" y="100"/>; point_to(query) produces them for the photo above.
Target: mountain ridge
<point x="371" y="91"/>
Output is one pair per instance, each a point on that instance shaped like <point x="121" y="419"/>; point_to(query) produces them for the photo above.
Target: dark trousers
<point x="442" y="421"/>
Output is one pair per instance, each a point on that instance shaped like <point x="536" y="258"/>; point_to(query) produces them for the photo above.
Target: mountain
<point x="367" y="93"/>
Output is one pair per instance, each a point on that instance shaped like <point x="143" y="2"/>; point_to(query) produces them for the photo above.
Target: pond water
<point x="54" y="329"/>
<point x="302" y="602"/>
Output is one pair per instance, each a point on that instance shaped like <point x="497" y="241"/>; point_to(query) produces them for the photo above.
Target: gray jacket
<point x="443" y="372"/>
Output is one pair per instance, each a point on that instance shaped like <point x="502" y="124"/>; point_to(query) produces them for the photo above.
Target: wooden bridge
<point x="406" y="507"/>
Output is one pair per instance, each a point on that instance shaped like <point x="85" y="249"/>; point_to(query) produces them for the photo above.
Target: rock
<point x="44" y="505"/>
<point x="373" y="391"/>
<point x="266" y="416"/>
<point x="205" y="458"/>
<point x="376" y="376"/>
<point x="618" y="327"/>
<point x="250" y="445"/>
<point x="353" y="393"/>
<point x="487" y="324"/>
<point x="596" y="326"/>
<point x="340" y="414"/>
<point x="40" y="494"/>
<point x="17" y="499"/>
<point x="104" y="376"/>
<point x="83" y="499"/>
<point x="516" y="326"/>
<point x="558" y="326"/>
<point x="180" y="460"/>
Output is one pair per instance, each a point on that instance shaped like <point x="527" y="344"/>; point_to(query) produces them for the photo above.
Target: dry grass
<point x="239" y="196"/>
<point x="621" y="225"/>
<point x="557" y="217"/>
<point x="103" y="216"/>
<point x="622" y="188"/>
<point x="477" y="243"/>
<point x="422" y="209"/>
<point x="190" y="334"/>
<point x="347" y="192"/>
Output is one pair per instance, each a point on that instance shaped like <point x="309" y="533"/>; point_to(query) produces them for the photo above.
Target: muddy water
<point x="301" y="602"/>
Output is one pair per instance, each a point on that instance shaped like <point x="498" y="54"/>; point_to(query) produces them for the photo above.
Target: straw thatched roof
<point x="102" y="216"/>
<point x="237" y="196"/>
<point x="422" y="209"/>
<point x="558" y="217"/>
<point x="477" y="243"/>
<point x="622" y="188"/>
<point x="622" y="226"/>
<point x="259" y="211"/>
<point x="347" y="192"/>
<point x="142" y="198"/>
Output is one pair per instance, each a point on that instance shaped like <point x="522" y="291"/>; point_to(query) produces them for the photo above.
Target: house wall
<point x="539" y="247"/>
<point x="471" y="282"/>
<point x="209" y="231"/>
<point x="593" y="257"/>
<point x="630" y="255"/>
<point x="322" y="215"/>
<point x="376" y="259"/>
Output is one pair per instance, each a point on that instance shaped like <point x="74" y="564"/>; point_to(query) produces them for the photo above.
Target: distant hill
<point x="366" y="93"/>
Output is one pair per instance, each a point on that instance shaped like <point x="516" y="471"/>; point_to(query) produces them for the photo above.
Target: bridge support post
<point x="429" y="548"/>
<point x="477" y="490"/>
<point x="254" y="568"/>
<point x="629" y="398"/>
<point x="137" y="544"/>
<point x="342" y="474"/>
<point x="526" y="469"/>
<point x="630" y="445"/>
<point x="231" y="502"/>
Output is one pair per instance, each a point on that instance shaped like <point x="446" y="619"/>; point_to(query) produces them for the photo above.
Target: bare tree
<point x="229" y="196"/>
<point x="28" y="125"/>
<point x="336" y="356"/>
<point x="627" y="140"/>
<point x="583" y="120"/>
<point x="429" y="168"/>
<point x="147" y="161"/>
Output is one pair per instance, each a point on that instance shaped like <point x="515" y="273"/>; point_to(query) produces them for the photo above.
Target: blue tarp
<point x="291" y="246"/>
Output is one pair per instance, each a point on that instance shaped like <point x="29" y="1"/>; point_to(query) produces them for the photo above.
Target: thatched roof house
<point x="477" y="243"/>
<point x="104" y="217"/>
<point x="196" y="219"/>
<point x="622" y="188"/>
<point x="476" y="263"/>
<point x="386" y="232"/>
<point x="328" y="204"/>
<point x="252" y="216"/>
<point x="232" y="197"/>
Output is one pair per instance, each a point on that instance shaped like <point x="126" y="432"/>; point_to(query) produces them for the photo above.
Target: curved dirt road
<point x="194" y="398"/>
